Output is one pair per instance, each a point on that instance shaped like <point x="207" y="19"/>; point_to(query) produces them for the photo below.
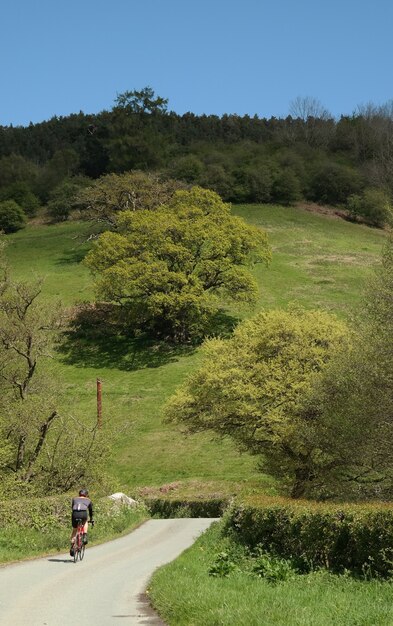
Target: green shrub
<point x="332" y="183"/>
<point x="223" y="565"/>
<point x="22" y="195"/>
<point x="272" y="569"/>
<point x="373" y="206"/>
<point x="355" y="538"/>
<point x="167" y="508"/>
<point x="12" y="216"/>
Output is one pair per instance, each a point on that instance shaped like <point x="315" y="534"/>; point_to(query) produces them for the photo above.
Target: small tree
<point x="141" y="102"/>
<point x="354" y="398"/>
<point x="12" y="216"/>
<point x="40" y="447"/>
<point x="64" y="198"/>
<point x="251" y="388"/>
<point x="22" y="194"/>
<point x="373" y="206"/>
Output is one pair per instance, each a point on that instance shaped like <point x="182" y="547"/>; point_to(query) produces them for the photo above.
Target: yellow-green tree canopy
<point x="251" y="387"/>
<point x="169" y="267"/>
<point x="109" y="195"/>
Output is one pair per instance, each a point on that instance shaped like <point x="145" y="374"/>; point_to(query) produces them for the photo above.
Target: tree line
<point x="308" y="155"/>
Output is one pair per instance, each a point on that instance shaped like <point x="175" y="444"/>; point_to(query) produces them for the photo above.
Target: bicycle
<point x="79" y="544"/>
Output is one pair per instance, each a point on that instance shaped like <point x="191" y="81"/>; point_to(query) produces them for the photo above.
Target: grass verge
<point x="186" y="595"/>
<point x="18" y="543"/>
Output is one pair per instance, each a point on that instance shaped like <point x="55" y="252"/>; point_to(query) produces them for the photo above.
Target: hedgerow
<point x="339" y="537"/>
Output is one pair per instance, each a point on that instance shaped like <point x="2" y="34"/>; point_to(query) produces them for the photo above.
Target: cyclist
<point x="81" y="507"/>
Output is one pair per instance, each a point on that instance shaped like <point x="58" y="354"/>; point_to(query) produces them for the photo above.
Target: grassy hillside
<point x="318" y="260"/>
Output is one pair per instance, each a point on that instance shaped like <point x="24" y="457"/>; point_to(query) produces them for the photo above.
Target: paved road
<point x="104" y="589"/>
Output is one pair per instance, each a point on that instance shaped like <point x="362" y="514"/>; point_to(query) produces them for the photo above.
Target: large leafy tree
<point x="169" y="267"/>
<point x="251" y="388"/>
<point x="105" y="198"/>
<point x="141" y="102"/>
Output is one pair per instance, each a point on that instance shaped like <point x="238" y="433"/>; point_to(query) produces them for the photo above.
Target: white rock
<point x="123" y="499"/>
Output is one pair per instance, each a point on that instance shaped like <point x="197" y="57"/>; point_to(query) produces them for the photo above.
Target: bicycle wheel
<point x="76" y="552"/>
<point x="82" y="552"/>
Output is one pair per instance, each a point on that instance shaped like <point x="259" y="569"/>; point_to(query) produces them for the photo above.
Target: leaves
<point x="177" y="260"/>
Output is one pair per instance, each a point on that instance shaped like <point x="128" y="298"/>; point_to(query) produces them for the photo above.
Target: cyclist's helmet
<point x="83" y="492"/>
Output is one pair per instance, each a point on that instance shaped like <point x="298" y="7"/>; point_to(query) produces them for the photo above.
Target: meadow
<point x="320" y="261"/>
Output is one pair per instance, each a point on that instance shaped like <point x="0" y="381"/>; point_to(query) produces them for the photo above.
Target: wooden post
<point x="99" y="403"/>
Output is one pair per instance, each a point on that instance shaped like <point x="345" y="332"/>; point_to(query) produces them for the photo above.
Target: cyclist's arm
<point x="91" y="512"/>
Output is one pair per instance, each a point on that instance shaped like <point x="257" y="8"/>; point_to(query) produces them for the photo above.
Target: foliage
<point x="40" y="448"/>
<point x="174" y="507"/>
<point x="354" y="397"/>
<point x="340" y="537"/>
<point x="143" y="101"/>
<point x="12" y="216"/>
<point x="167" y="267"/>
<point x="373" y="206"/>
<point x="23" y="196"/>
<point x="271" y="568"/>
<point x="251" y="388"/>
<point x="63" y="198"/>
<point x="184" y="593"/>
<point x="231" y="154"/>
<point x="222" y="566"/>
<point x="333" y="183"/>
<point x="112" y="194"/>
<point x="36" y="526"/>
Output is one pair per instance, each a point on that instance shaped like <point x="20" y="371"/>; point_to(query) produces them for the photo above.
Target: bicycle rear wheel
<point x="82" y="552"/>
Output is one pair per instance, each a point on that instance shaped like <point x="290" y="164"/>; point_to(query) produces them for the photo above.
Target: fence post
<point x="99" y="403"/>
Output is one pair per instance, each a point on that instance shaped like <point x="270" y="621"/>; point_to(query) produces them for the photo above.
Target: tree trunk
<point x="302" y="477"/>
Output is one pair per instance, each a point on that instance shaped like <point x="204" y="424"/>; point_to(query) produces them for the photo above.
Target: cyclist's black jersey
<point x="82" y="504"/>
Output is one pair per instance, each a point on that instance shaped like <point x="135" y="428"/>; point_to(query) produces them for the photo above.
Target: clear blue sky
<point x="205" y="56"/>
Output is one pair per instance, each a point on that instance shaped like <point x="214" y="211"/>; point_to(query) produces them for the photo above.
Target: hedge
<point x="48" y="512"/>
<point x="339" y="537"/>
<point x="204" y="507"/>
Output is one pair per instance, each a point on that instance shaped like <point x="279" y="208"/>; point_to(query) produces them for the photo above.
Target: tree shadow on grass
<point x="94" y="341"/>
<point x="74" y="256"/>
<point x="119" y="352"/>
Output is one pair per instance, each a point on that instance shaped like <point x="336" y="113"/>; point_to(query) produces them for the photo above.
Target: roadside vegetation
<point x="41" y="526"/>
<point x="218" y="581"/>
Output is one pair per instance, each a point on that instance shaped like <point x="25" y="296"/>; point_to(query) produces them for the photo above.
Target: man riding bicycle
<point x="81" y="507"/>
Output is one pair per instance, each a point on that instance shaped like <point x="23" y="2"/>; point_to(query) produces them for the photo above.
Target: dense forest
<point x="308" y="156"/>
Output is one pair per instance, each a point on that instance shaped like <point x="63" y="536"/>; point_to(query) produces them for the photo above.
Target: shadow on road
<point x="61" y="560"/>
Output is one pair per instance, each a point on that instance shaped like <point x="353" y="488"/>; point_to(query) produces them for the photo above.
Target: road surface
<point x="104" y="589"/>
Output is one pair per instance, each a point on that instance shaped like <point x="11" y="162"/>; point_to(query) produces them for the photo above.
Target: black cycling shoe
<point x="85" y="541"/>
<point x="72" y="552"/>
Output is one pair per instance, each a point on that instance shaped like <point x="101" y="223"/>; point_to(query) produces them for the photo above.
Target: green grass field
<point x="319" y="261"/>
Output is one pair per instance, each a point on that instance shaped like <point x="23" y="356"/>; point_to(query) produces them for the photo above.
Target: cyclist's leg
<point x="73" y="534"/>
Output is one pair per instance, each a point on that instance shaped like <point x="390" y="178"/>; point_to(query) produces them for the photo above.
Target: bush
<point x="165" y="507"/>
<point x="12" y="216"/>
<point x="332" y="184"/>
<point x="22" y="195"/>
<point x="373" y="206"/>
<point x="355" y="538"/>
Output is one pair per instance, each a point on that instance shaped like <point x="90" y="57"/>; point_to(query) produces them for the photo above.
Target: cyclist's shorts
<point x="78" y="515"/>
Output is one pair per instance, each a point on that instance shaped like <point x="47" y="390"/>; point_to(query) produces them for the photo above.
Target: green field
<point x="319" y="261"/>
